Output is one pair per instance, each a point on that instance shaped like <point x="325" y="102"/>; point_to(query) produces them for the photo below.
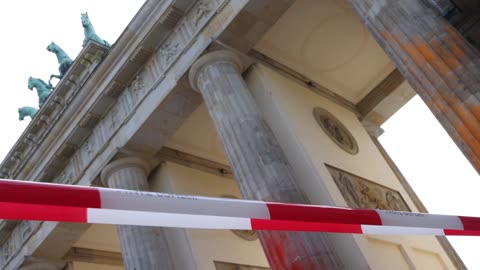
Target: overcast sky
<point x="438" y="172"/>
<point x="428" y="158"/>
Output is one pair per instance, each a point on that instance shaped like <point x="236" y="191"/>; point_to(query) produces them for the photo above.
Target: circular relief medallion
<point x="248" y="235"/>
<point x="335" y="130"/>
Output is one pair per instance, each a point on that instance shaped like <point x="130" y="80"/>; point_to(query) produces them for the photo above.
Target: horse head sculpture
<point x="85" y="20"/>
<point x="26" y="111"/>
<point x="89" y="31"/>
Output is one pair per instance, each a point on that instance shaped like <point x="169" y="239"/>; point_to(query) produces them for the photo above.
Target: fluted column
<point x="142" y="247"/>
<point x="258" y="162"/>
<point x="442" y="67"/>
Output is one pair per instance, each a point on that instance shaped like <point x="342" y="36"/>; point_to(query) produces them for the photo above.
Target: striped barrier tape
<point x="53" y="202"/>
<point x="17" y="211"/>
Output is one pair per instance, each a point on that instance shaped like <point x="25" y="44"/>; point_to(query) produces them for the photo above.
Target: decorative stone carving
<point x="113" y="119"/>
<point x="16" y="239"/>
<point x="168" y="51"/>
<point x="138" y="85"/>
<point x="362" y="193"/>
<point x="201" y="11"/>
<point x="234" y="266"/>
<point x="90" y="146"/>
<point x="335" y="130"/>
<point x="249" y="235"/>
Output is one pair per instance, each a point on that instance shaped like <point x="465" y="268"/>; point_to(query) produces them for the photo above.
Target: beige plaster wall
<point x="287" y="107"/>
<point x="198" y="249"/>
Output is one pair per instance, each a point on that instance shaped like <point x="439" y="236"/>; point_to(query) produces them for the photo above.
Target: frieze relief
<point x="362" y="193"/>
<point x="180" y="38"/>
<point x="138" y="85"/>
<point x="168" y="51"/>
<point x="202" y="9"/>
<point x="17" y="238"/>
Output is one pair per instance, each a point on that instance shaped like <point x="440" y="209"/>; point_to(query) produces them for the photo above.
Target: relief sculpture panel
<point x="362" y="193"/>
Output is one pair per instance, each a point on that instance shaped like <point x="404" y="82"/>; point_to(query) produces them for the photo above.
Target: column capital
<point x="123" y="163"/>
<point x="221" y="56"/>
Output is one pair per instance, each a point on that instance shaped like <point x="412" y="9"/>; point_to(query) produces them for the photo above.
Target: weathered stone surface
<point x="142" y="247"/>
<point x="437" y="62"/>
<point x="258" y="162"/>
<point x="33" y="263"/>
<point x="123" y="116"/>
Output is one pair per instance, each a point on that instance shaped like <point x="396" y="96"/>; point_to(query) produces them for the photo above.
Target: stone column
<point x="442" y="67"/>
<point x="258" y="162"/>
<point x="142" y="247"/>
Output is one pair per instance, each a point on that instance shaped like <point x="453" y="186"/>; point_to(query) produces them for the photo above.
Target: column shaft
<point x="442" y="67"/>
<point x="142" y="247"/>
<point x="258" y="162"/>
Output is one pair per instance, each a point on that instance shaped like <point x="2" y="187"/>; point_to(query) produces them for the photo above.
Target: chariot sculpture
<point x="44" y="89"/>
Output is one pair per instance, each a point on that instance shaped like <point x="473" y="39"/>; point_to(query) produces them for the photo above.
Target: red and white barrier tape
<point x="22" y="200"/>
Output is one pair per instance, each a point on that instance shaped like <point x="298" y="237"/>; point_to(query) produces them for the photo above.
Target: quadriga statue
<point x="63" y="59"/>
<point x="26" y="111"/>
<point x="89" y="32"/>
<point x="43" y="89"/>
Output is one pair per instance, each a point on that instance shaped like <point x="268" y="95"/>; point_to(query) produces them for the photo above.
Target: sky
<point x="439" y="173"/>
<point x="28" y="26"/>
<point x="430" y="161"/>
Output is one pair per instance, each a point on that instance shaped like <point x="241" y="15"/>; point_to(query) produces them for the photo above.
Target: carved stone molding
<point x="89" y="121"/>
<point x="172" y="17"/>
<point x="114" y="89"/>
